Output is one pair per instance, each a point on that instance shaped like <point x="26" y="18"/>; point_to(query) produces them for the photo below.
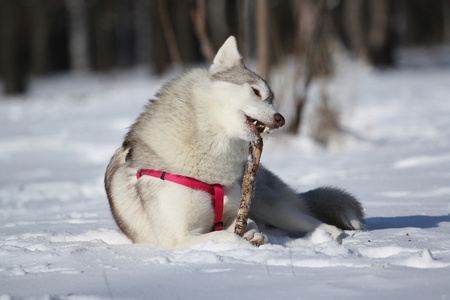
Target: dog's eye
<point x="256" y="92"/>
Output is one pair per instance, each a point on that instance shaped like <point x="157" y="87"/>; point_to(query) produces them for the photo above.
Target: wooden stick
<point x="248" y="185"/>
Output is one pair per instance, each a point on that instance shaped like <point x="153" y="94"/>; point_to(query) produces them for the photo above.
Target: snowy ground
<point x="59" y="241"/>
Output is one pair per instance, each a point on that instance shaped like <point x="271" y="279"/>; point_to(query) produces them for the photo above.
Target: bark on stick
<point x="248" y="185"/>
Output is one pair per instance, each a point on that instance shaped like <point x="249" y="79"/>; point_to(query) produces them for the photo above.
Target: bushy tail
<point x="335" y="207"/>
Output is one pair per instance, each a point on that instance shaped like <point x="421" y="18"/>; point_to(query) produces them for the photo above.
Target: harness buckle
<point x="220" y="224"/>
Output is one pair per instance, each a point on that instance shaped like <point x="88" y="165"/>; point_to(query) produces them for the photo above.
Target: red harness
<point x="214" y="190"/>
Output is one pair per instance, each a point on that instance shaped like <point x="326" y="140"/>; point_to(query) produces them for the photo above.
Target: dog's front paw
<point x="256" y="238"/>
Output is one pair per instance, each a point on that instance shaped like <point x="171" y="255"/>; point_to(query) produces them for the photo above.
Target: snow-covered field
<point x="59" y="241"/>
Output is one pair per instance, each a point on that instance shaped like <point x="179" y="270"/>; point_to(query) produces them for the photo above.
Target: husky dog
<point x="176" y="178"/>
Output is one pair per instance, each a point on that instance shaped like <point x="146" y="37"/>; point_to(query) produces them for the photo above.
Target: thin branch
<point x="290" y="259"/>
<point x="108" y="288"/>
<point x="198" y="16"/>
<point x="169" y="34"/>
<point x="262" y="38"/>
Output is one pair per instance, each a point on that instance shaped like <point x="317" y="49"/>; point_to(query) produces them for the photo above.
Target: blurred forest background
<point x="39" y="37"/>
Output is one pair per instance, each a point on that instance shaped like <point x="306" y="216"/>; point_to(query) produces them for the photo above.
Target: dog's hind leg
<point x="292" y="220"/>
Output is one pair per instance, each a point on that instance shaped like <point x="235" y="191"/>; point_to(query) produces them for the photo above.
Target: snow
<point x="59" y="241"/>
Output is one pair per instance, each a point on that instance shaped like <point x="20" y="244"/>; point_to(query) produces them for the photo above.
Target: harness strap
<point x="214" y="190"/>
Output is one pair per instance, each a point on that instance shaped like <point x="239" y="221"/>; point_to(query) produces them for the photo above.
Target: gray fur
<point x="239" y="76"/>
<point x="277" y="205"/>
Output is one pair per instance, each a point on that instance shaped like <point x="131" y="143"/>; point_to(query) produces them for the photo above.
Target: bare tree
<point x="40" y="31"/>
<point x="446" y="18"/>
<point x="217" y="18"/>
<point x="379" y="40"/>
<point x="313" y="57"/>
<point x="244" y="29"/>
<point x="198" y="15"/>
<point x="13" y="47"/>
<point x="123" y="33"/>
<point x="159" y="55"/>
<point x="367" y="30"/>
<point x="169" y="34"/>
<point x="142" y="30"/>
<point x="262" y="38"/>
<point x="103" y="20"/>
<point x="353" y="13"/>
<point x="78" y="35"/>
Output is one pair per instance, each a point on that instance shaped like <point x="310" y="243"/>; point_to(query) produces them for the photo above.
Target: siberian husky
<point x="175" y="181"/>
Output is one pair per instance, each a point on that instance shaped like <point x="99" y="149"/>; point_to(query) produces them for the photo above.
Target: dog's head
<point x="242" y="100"/>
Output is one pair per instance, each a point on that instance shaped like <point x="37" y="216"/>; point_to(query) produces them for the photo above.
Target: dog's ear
<point x="228" y="56"/>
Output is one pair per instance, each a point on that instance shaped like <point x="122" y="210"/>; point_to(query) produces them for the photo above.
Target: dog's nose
<point x="278" y="120"/>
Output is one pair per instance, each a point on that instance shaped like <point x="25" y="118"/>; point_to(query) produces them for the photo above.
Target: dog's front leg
<point x="252" y="233"/>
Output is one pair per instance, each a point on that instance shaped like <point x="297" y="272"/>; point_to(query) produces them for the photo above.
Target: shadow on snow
<point x="406" y="221"/>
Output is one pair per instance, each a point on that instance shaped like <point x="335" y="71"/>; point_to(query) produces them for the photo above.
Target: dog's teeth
<point x="255" y="122"/>
<point x="266" y="129"/>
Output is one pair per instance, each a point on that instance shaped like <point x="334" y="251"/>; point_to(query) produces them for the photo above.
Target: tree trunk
<point x="78" y="35"/>
<point x="13" y="47"/>
<point x="217" y="23"/>
<point x="123" y="34"/>
<point x="379" y="41"/>
<point x="160" y="57"/>
<point x="312" y="53"/>
<point x="39" y="12"/>
<point x="198" y="15"/>
<point x="353" y="27"/>
<point x="262" y="38"/>
<point x="142" y="31"/>
<point x="103" y="20"/>
<point x="446" y="18"/>
<point x="169" y="34"/>
<point x="244" y="28"/>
